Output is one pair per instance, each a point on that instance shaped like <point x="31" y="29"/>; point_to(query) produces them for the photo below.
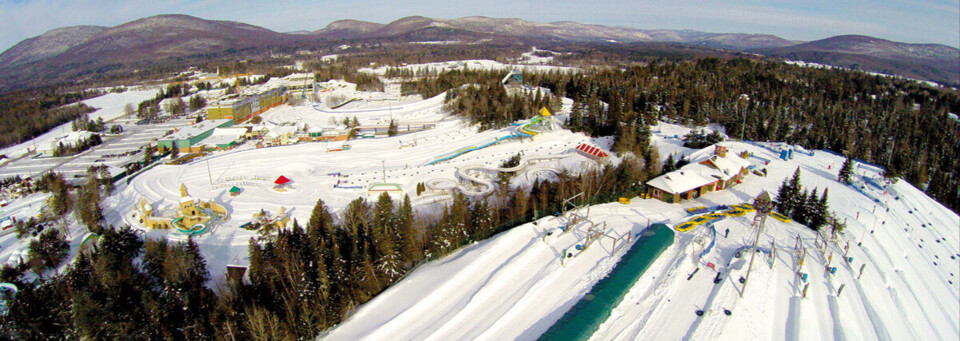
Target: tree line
<point x="902" y="125"/>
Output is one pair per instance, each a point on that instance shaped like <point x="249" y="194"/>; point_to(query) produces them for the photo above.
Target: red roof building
<point x="591" y="151"/>
<point x="282" y="180"/>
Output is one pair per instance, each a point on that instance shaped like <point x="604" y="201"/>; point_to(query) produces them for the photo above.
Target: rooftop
<point x="196" y="129"/>
<point x="681" y="180"/>
<point x="223" y="136"/>
<point x="696" y="174"/>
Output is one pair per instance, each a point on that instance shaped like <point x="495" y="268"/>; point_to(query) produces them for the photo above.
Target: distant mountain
<point x="560" y="31"/>
<point x="169" y="35"/>
<point x="875" y="47"/>
<point x="67" y="53"/>
<point x="939" y="63"/>
<point x="348" y="29"/>
<point x="49" y="44"/>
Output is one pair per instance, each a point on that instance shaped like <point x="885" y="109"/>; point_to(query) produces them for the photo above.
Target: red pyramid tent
<point x="591" y="151"/>
<point x="282" y="180"/>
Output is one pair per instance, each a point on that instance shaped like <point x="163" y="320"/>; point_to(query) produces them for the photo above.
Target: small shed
<point x="234" y="191"/>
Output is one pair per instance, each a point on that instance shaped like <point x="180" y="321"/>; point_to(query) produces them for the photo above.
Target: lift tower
<point x="764" y="206"/>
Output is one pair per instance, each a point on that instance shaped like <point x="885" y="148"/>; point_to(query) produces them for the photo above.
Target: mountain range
<point x="89" y="49"/>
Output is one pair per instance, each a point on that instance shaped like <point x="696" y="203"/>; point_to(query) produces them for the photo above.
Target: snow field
<point x="309" y="165"/>
<point x="901" y="294"/>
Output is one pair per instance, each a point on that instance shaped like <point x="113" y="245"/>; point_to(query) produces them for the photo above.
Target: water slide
<point x="523" y="131"/>
<point x="486" y="186"/>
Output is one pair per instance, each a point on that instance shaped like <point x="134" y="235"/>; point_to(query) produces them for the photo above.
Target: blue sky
<point x="921" y="21"/>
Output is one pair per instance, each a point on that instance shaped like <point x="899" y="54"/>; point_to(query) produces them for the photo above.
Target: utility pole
<point x="383" y="164"/>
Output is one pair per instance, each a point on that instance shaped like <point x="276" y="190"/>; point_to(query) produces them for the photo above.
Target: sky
<point x="919" y="21"/>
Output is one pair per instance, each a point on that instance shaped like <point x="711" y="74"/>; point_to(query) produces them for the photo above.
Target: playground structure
<point x="543" y="122"/>
<point x="270" y="223"/>
<point x="191" y="217"/>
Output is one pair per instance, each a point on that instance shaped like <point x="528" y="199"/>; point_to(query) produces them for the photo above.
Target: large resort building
<point x="693" y="180"/>
<point x="241" y="108"/>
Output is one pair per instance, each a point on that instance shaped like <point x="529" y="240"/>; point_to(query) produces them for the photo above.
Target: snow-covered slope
<point x="513" y="286"/>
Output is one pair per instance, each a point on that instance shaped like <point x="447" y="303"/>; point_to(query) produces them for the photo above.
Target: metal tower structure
<point x="513" y="77"/>
<point x="764" y="205"/>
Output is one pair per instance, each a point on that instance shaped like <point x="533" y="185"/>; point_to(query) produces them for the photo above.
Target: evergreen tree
<point x="800" y="211"/>
<point x="846" y="170"/>
<point x="789" y="197"/>
<point x="88" y="204"/>
<point x="392" y="128"/>
<point x="48" y="251"/>
<point x="386" y="238"/>
<point x="669" y="165"/>
<point x="821" y="212"/>
<point x="321" y="226"/>
<point x="408" y="243"/>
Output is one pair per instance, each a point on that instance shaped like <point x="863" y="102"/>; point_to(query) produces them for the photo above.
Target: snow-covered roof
<point x="222" y="136"/>
<point x="680" y="181"/>
<point x="700" y="173"/>
<point x="196" y="129"/>
<point x="728" y="167"/>
<point x="279" y="131"/>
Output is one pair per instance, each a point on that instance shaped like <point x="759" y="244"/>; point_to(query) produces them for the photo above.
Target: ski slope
<point x="513" y="286"/>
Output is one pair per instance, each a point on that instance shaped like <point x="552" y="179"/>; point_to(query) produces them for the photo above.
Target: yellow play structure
<point x="191" y="217"/>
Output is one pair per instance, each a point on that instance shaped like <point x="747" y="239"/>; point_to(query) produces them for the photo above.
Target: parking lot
<point x="115" y="151"/>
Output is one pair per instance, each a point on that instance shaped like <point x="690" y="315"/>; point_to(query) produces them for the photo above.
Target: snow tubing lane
<point x="585" y="317"/>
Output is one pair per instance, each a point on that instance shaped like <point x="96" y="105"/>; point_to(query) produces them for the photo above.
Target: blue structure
<point x="712" y="242"/>
<point x="518" y="133"/>
<point x="585" y="317"/>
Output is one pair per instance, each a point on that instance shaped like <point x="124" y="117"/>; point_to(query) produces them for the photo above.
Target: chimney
<point x="721" y="151"/>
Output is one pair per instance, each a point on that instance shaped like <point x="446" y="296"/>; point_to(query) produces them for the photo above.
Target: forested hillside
<point x="909" y="128"/>
<point x="904" y="126"/>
